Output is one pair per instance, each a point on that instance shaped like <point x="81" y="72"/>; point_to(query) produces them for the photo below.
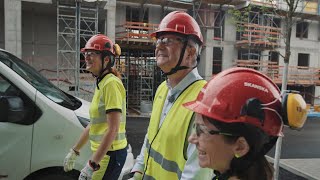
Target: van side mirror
<point x="11" y="109"/>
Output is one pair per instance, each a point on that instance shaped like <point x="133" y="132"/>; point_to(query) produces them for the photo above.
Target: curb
<point x="293" y="169"/>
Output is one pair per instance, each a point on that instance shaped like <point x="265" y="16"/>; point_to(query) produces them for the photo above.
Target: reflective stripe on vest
<point x="120" y="136"/>
<point x="168" y="165"/>
<point x="166" y="158"/>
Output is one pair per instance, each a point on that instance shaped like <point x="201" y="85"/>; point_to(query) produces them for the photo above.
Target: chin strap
<point x="223" y="176"/>
<point x="178" y="67"/>
<point x="101" y="76"/>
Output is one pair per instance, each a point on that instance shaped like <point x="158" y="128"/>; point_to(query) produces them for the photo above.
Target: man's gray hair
<point x="195" y="45"/>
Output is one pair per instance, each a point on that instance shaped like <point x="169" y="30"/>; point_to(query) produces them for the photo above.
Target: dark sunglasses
<point x="203" y="129"/>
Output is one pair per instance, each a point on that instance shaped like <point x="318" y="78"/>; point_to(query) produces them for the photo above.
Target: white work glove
<point x="137" y="176"/>
<point x="69" y="160"/>
<point x="86" y="173"/>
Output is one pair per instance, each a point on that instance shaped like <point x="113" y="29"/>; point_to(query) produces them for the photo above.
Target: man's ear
<point x="106" y="59"/>
<point x="241" y="147"/>
<point x="191" y="51"/>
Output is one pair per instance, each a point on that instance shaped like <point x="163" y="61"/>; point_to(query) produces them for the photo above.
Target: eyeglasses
<point x="202" y="129"/>
<point x="168" y="41"/>
<point x="91" y="53"/>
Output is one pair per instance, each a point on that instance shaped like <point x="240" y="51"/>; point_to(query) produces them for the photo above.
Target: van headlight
<point x="84" y="121"/>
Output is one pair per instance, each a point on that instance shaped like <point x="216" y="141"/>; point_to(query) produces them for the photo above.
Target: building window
<point x="218" y="33"/>
<point x="273" y="65"/>
<point x="276" y="23"/>
<point x="238" y="35"/>
<point x="302" y="29"/>
<point x="249" y="54"/>
<point x="274" y="57"/>
<point x="135" y="14"/>
<point x="303" y="60"/>
<point x="249" y="58"/>
<point x="217" y="60"/>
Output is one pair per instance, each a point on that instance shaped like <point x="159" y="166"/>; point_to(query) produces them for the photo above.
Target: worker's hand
<point x="86" y="173"/>
<point x="137" y="176"/>
<point x="69" y="160"/>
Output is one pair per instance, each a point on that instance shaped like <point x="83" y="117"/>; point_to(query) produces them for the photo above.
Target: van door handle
<point x="3" y="176"/>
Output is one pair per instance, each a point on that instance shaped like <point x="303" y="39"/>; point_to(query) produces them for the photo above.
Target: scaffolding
<point x="210" y="17"/>
<point x="219" y="2"/>
<point x="297" y="75"/>
<point x="76" y="23"/>
<point x="135" y="31"/>
<point x="140" y="77"/>
<point x="140" y="74"/>
<point x="122" y="67"/>
<point x="258" y="37"/>
<point x="259" y="32"/>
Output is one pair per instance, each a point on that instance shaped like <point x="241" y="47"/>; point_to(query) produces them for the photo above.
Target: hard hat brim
<point x="200" y="108"/>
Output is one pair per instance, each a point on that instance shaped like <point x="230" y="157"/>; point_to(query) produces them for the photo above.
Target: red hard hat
<point x="228" y="94"/>
<point x="180" y="22"/>
<point x="100" y="42"/>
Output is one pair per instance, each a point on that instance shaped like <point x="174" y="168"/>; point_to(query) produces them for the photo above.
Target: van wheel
<point x="54" y="174"/>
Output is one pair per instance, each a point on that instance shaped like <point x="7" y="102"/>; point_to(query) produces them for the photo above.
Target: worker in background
<point x="106" y="130"/>
<point x="166" y="153"/>
<point x="239" y="116"/>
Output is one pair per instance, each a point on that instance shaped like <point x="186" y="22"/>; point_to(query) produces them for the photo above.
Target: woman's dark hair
<point x="253" y="165"/>
<point x="110" y="67"/>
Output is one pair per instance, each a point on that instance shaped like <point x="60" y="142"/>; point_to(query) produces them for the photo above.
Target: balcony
<point x="258" y="36"/>
<point x="297" y="75"/>
<point x="135" y="33"/>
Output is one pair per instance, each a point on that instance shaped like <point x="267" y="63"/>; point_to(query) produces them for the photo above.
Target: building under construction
<point x="48" y="34"/>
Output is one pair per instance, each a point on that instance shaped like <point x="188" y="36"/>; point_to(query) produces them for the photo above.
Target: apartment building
<point x="48" y="35"/>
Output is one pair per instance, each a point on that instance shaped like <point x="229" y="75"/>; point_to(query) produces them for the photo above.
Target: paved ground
<point x="137" y="128"/>
<point x="286" y="175"/>
<point x="301" y="144"/>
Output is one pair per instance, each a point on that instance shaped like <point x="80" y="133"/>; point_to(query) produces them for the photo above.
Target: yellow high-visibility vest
<point x="111" y="96"/>
<point x="164" y="152"/>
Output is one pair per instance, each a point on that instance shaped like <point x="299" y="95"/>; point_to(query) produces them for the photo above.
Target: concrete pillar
<point x="12" y="26"/>
<point x="228" y="56"/>
<point x="264" y="59"/>
<point x="121" y="15"/>
<point x="265" y="55"/>
<point x="154" y="16"/>
<point x="229" y="51"/>
<point x="205" y="66"/>
<point x="110" y="20"/>
<point x="229" y="29"/>
<point x="120" y="19"/>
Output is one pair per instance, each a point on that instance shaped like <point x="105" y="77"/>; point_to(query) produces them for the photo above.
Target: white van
<point x="38" y="125"/>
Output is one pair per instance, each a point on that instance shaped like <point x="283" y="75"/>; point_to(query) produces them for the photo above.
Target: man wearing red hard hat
<point x="166" y="153"/>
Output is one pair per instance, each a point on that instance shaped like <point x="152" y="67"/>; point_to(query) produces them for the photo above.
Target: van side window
<point x="7" y="89"/>
<point x="4" y="85"/>
<point x="20" y="109"/>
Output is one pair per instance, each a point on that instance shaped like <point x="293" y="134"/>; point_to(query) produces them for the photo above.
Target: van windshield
<point x="39" y="82"/>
